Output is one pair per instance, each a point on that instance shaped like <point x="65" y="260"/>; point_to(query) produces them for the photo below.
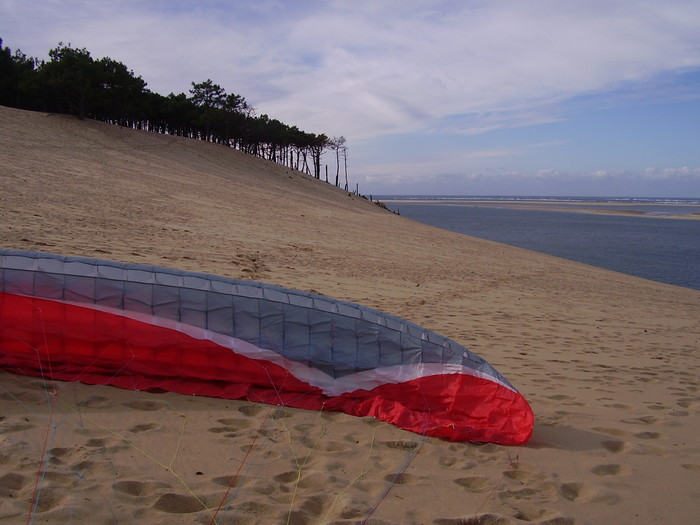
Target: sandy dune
<point x="608" y="362"/>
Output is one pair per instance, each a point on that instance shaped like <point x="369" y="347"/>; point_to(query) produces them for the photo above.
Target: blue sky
<point x="488" y="97"/>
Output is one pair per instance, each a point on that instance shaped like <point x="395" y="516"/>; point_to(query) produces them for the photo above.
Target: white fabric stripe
<point x="366" y="379"/>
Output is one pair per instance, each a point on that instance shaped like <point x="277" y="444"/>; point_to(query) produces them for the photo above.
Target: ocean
<point x="623" y="234"/>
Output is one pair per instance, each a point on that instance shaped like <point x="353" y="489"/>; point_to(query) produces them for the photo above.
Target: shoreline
<point x="561" y="206"/>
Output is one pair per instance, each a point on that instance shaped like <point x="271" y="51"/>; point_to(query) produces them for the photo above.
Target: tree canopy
<point x="73" y="82"/>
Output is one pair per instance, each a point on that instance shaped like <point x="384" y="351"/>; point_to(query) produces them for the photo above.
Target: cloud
<point x="368" y="68"/>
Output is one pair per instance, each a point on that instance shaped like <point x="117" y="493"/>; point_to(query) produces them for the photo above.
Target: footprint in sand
<point x="476" y="483"/>
<point x="287" y="477"/>
<point x="529" y="513"/>
<point x="93" y="468"/>
<point x="62" y="479"/>
<point x="178" y="503"/>
<point x="97" y="402"/>
<point x="279" y="413"/>
<point x="49" y="499"/>
<point x="234" y="422"/>
<point x="645" y="420"/>
<point x="17" y="426"/>
<point x="607" y="470"/>
<point x="611" y="431"/>
<point x="11" y="483"/>
<point x="232" y="428"/>
<point x="144" y="427"/>
<point x="648" y="435"/>
<point x="618" y="406"/>
<point x="251" y="410"/>
<point x="657" y="406"/>
<point x="524" y="475"/>
<point x="137" y="489"/>
<point x="145" y="405"/>
<point x="314" y="506"/>
<point x="686" y="402"/>
<point x="407" y="479"/>
<point x="482" y="519"/>
<point x="614" y="446"/>
<point x="226" y="481"/>
<point x="447" y="461"/>
<point x="402" y="444"/>
<point x="582" y="493"/>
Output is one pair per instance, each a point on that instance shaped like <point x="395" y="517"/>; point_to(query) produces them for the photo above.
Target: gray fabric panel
<point x="390" y="353"/>
<point x="138" y="298"/>
<point x="344" y="346"/>
<point x="109" y="293"/>
<point x="272" y="328"/>
<point x="334" y="336"/>
<point x="19" y="281"/>
<point x="321" y="340"/>
<point x="79" y="289"/>
<point x="297" y="333"/>
<point x="247" y="319"/>
<point x="47" y="285"/>
<point x="192" y="304"/>
<point x="220" y="313"/>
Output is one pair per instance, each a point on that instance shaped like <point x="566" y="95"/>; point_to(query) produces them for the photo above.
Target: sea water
<point x="665" y="250"/>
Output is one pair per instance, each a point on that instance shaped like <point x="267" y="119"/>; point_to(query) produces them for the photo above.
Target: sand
<point x="646" y="210"/>
<point x="607" y="361"/>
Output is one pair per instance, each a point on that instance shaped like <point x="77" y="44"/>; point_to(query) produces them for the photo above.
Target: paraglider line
<point x="41" y="472"/>
<point x="395" y="480"/>
<point x="356" y="479"/>
<point x="300" y="466"/>
<point x="240" y="467"/>
<point x="152" y="458"/>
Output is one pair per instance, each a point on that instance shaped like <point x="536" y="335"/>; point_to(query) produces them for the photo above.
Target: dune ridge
<point x="607" y="361"/>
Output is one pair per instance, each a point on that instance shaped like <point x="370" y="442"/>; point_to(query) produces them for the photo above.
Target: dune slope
<point x="608" y="361"/>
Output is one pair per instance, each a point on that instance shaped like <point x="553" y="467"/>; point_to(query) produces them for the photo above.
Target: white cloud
<point x="368" y="68"/>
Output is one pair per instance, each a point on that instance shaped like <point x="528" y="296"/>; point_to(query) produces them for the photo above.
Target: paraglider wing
<point x="148" y="328"/>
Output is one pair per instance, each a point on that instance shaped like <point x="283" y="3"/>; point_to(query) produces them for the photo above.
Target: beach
<point x="619" y="208"/>
<point x="607" y="361"/>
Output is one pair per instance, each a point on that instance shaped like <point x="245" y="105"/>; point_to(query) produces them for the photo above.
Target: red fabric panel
<point x="51" y="339"/>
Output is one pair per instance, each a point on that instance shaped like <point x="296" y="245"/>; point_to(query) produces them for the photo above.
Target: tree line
<point x="73" y="82"/>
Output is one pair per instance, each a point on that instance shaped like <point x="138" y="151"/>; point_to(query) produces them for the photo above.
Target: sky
<point x="434" y="97"/>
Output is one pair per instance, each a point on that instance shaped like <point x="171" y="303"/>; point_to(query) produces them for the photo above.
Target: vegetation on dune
<point x="73" y="82"/>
